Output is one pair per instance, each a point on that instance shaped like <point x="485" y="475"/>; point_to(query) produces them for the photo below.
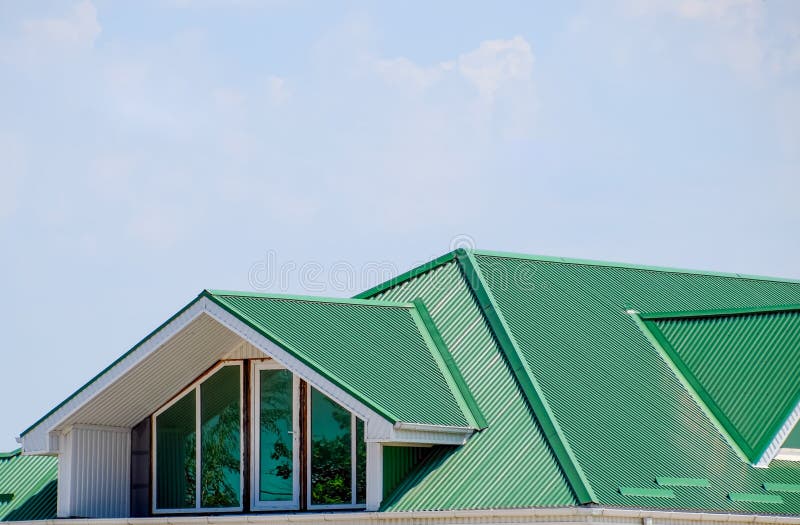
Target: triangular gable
<point x="332" y="344"/>
<point x="743" y="366"/>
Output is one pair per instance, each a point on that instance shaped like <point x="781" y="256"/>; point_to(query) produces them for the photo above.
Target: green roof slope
<point x="744" y="367"/>
<point x="381" y="353"/>
<point x="620" y="407"/>
<point x="509" y="464"/>
<point x="27" y="487"/>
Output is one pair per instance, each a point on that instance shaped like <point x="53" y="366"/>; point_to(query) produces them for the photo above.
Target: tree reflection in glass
<point x="275" y="437"/>
<point x="361" y="463"/>
<point x="331" y="472"/>
<point x="220" y="437"/>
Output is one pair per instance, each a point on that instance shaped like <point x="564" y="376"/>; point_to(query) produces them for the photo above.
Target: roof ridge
<point x="308" y="298"/>
<point x="11" y="454"/>
<point x="631" y="266"/>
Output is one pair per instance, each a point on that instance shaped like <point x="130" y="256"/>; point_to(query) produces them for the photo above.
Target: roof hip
<point x="527" y="382"/>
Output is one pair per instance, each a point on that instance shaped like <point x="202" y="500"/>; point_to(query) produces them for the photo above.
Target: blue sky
<point x="149" y="150"/>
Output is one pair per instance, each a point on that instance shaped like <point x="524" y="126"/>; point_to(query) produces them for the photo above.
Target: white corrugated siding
<point x="96" y="473"/>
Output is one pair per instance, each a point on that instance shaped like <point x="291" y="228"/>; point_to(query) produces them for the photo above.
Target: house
<point x="480" y="387"/>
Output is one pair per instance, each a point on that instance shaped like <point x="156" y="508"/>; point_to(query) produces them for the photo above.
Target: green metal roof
<point x="743" y="366"/>
<point x="27" y="487"/>
<point x="621" y="409"/>
<point x="382" y="353"/>
<point x="509" y="464"/>
<point x="579" y="401"/>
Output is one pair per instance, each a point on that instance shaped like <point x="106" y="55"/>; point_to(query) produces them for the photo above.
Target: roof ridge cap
<point x="630" y="266"/>
<point x="353" y="301"/>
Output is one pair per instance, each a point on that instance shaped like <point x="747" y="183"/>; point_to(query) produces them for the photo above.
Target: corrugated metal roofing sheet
<point x="623" y="411"/>
<point x="745" y="367"/>
<point x="382" y="354"/>
<point x="27" y="487"/>
<point x="509" y="464"/>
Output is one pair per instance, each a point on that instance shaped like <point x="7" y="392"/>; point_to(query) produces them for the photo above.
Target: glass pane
<point x="361" y="463"/>
<point x="330" y="452"/>
<point x="175" y="455"/>
<point x="220" y="437"/>
<point x="793" y="440"/>
<point x="275" y="438"/>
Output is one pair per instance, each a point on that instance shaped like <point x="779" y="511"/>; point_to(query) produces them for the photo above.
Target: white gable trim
<point x="43" y="437"/>
<point x="774" y="448"/>
<point x="38" y="440"/>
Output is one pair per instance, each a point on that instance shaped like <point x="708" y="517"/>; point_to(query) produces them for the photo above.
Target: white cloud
<point x="79" y="28"/>
<point x="498" y="74"/>
<point x="431" y="135"/>
<point x="497" y="63"/>
<point x="51" y="38"/>
<point x="403" y="72"/>
<point x="489" y="68"/>
<point x="735" y="33"/>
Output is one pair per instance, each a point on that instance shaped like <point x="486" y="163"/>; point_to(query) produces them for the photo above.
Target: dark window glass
<point x="361" y="463"/>
<point x="331" y="451"/>
<point x="175" y="455"/>
<point x="220" y="432"/>
<point x="276" y="452"/>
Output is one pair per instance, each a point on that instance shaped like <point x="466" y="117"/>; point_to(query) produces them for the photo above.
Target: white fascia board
<point x="38" y="440"/>
<point x="774" y="448"/>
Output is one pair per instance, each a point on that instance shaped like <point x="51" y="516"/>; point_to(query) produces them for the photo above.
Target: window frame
<point x="255" y="436"/>
<point x="353" y="458"/>
<point x="195" y="386"/>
